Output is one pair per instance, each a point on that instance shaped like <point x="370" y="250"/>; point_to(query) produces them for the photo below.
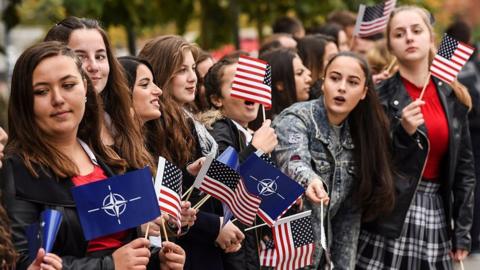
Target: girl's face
<point x="239" y="110"/>
<point x="410" y="38"/>
<point x="146" y="95"/>
<point x="343" y="88"/>
<point x="59" y="96"/>
<point x="302" y="79"/>
<point x="89" y="46"/>
<point x="183" y="84"/>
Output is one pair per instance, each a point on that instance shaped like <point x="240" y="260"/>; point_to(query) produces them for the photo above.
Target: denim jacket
<point x="304" y="152"/>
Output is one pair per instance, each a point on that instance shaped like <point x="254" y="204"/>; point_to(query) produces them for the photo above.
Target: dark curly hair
<point x="213" y="79"/>
<point x="8" y="255"/>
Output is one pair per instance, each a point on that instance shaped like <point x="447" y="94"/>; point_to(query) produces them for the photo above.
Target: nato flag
<point x="277" y="191"/>
<point x="116" y="204"/>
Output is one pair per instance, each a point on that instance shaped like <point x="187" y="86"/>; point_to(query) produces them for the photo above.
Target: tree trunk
<point x="131" y="39"/>
<point x="234" y="11"/>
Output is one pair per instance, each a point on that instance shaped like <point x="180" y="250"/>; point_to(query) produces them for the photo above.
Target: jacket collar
<point x="322" y="126"/>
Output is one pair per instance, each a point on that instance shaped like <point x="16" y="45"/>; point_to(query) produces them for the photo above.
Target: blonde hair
<point x="459" y="89"/>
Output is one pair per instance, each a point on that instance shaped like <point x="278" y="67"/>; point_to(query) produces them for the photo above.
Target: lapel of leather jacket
<point x="444" y="93"/>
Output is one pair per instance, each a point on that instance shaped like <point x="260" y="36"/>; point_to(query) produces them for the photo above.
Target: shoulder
<point x="387" y="88"/>
<point x="46" y="188"/>
<point x="300" y="110"/>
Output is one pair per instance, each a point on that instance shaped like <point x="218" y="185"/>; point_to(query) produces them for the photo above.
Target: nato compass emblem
<point x="114" y="205"/>
<point x="267" y="187"/>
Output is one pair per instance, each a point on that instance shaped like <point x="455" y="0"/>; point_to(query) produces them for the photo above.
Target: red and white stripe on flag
<point x="243" y="205"/>
<point x="169" y="200"/>
<point x="249" y="81"/>
<point x="267" y="254"/>
<point x="292" y="252"/>
<point x="372" y="20"/>
<point x="450" y="59"/>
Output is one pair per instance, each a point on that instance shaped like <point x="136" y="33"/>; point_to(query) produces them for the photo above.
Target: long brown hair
<point x="28" y="140"/>
<point x="8" y="254"/>
<point x="461" y="92"/>
<point x="165" y="54"/>
<point x="369" y="128"/>
<point x="153" y="130"/>
<point x="128" y="140"/>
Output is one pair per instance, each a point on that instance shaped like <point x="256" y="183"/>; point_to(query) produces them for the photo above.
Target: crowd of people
<point x="394" y="171"/>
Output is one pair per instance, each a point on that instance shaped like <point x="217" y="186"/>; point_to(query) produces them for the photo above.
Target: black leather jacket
<point x="25" y="197"/>
<point x="410" y="155"/>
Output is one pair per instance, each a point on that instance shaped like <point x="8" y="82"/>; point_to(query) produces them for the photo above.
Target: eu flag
<point x="277" y="191"/>
<point x="116" y="204"/>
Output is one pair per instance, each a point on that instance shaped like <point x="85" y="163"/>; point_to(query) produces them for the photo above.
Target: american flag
<point x="252" y="81"/>
<point x="372" y="20"/>
<point x="168" y="186"/>
<point x="450" y="58"/>
<point x="293" y="237"/>
<point x="267" y="254"/>
<point x="225" y="184"/>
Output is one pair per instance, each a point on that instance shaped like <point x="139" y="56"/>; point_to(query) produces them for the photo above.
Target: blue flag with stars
<point x="277" y="191"/>
<point x="116" y="204"/>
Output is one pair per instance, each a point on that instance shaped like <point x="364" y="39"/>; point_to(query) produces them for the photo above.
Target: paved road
<point x="471" y="263"/>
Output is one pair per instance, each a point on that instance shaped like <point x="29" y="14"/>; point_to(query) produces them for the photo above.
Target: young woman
<point x="322" y="144"/>
<point x="315" y="51"/>
<point x="54" y="120"/>
<point x="291" y="82"/>
<point x="203" y="63"/>
<point x="91" y="44"/>
<point x="431" y="149"/>
<point x="229" y="127"/>
<point x="146" y="105"/>
<point x="205" y="239"/>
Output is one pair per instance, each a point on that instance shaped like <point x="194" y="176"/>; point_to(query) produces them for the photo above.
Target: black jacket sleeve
<point x="462" y="189"/>
<point x="226" y="134"/>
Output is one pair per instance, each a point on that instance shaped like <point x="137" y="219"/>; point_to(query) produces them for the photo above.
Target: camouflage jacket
<point x="305" y="151"/>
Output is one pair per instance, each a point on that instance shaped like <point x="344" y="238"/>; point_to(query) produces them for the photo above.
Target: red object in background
<point x="248" y="45"/>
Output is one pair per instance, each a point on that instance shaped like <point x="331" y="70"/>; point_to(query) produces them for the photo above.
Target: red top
<point x="111" y="241"/>
<point x="436" y="124"/>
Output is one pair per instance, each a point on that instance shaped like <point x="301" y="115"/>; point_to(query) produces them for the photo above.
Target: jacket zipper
<point x="424" y="163"/>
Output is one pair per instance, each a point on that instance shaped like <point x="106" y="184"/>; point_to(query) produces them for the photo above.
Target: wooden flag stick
<point x="187" y="193"/>
<point x="425" y="86"/>
<point x="164" y="229"/>
<point x="461" y="265"/>
<point x="264" y="115"/>
<point x="391" y="65"/>
<point x="148" y="228"/>
<point x="202" y="201"/>
<point x="254" y="227"/>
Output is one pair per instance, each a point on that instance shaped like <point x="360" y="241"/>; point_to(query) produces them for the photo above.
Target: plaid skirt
<point x="423" y="243"/>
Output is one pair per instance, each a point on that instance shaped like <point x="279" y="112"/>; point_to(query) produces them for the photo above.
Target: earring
<point x="85" y="99"/>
